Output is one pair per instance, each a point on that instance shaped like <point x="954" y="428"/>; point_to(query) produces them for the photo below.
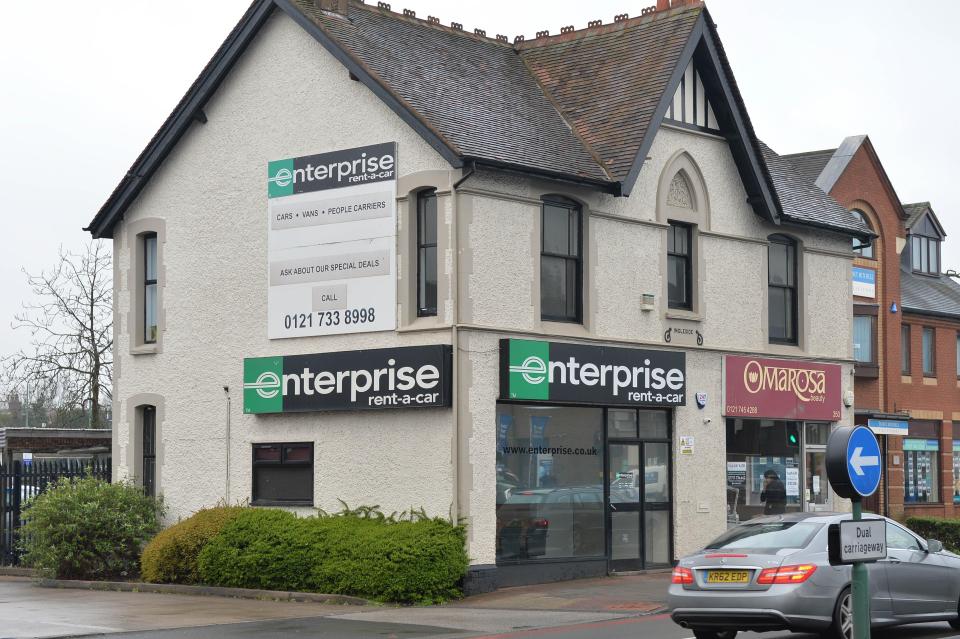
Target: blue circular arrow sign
<point x="854" y="462"/>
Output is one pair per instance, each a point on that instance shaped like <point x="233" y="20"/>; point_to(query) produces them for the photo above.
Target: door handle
<point x="612" y="507"/>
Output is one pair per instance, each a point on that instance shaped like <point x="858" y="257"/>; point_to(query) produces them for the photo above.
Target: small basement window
<point x="283" y="474"/>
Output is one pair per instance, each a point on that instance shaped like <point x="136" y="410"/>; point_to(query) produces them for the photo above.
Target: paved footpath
<point x="609" y="608"/>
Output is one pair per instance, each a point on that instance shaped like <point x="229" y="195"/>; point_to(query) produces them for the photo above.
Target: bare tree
<point x="71" y="327"/>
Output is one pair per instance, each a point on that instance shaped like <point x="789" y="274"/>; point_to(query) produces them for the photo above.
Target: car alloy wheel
<point x="846" y="616"/>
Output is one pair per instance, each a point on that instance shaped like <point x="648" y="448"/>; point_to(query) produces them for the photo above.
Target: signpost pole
<point x="860" y="589"/>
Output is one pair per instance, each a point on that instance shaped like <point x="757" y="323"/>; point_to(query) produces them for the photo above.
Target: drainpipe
<point x="455" y="339"/>
<point x="226" y="390"/>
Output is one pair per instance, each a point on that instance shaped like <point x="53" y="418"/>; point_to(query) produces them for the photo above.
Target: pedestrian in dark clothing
<point x="774" y="494"/>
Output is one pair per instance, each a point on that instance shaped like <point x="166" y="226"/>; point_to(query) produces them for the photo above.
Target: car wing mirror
<point x="934" y="546"/>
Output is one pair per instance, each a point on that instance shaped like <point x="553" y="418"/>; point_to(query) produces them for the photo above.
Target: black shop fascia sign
<point x="533" y="370"/>
<point x="407" y="377"/>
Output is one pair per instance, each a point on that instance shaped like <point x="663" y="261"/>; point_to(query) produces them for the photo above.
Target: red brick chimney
<point x="663" y="5"/>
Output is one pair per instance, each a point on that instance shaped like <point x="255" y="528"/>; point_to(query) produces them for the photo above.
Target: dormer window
<point x="925" y="254"/>
<point x="861" y="248"/>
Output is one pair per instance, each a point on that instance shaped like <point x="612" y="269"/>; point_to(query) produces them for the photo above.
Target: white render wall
<point x="286" y="97"/>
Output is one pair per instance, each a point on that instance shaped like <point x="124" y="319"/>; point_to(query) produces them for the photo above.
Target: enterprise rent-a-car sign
<point x="331" y="247"/>
<point x="409" y="377"/>
<point x="579" y="374"/>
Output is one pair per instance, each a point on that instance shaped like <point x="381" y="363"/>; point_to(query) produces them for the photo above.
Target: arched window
<point x="561" y="261"/>
<point x="782" y="290"/>
<point x="859" y="247"/>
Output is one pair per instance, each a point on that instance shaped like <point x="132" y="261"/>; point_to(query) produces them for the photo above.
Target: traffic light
<point x="793" y="435"/>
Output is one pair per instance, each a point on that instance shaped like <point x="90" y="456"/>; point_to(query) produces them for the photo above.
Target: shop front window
<point x="763" y="468"/>
<point x="549" y="483"/>
<point x="921" y="467"/>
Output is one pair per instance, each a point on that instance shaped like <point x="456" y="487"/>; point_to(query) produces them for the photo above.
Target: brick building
<point x="906" y="332"/>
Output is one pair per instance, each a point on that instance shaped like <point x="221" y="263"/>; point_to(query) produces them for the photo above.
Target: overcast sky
<point x="86" y="84"/>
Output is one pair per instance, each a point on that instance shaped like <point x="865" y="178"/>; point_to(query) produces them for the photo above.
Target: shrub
<point x="171" y="556"/>
<point x="946" y="531"/>
<point x="362" y="553"/>
<point x="88" y="529"/>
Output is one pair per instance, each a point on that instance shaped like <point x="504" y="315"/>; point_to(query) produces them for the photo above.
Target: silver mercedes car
<point x="772" y="573"/>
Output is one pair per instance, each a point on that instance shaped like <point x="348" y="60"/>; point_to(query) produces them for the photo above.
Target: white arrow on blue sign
<point x="863" y="461"/>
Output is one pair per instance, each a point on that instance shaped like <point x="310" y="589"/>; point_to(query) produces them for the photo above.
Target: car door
<point x="916" y="578"/>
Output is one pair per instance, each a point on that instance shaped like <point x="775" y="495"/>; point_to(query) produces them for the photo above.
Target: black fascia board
<point x="182" y="117"/>
<point x="789" y="221"/>
<point x="913" y="310"/>
<point x="362" y="74"/>
<point x="554" y="176"/>
<point x="750" y="164"/>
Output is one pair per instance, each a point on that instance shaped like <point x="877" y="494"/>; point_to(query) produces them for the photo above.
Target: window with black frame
<point x="150" y="288"/>
<point x="283" y="474"/>
<point x="679" y="266"/>
<point x="427" y="253"/>
<point x="561" y="268"/>
<point x="148" y="420"/>
<point x="782" y="290"/>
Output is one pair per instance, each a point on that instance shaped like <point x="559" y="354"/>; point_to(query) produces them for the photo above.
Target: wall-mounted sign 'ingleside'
<point x="332" y="242"/>
<point x="781" y="389"/>
<point x="574" y="373"/>
<point x="410" y="377"/>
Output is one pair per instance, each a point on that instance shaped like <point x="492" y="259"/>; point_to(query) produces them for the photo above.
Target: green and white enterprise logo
<point x="262" y="390"/>
<point x="280" y="178"/>
<point x="529" y="368"/>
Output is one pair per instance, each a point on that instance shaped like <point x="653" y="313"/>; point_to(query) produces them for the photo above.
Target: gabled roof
<point x="824" y="168"/>
<point x="917" y="210"/>
<point x="929" y="295"/>
<point x="804" y="203"/>
<point x="583" y="106"/>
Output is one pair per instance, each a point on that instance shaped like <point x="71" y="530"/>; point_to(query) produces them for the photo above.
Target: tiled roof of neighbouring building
<point x="937" y="295"/>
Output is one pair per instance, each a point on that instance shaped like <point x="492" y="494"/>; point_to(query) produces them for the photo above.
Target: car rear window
<point x="767" y="536"/>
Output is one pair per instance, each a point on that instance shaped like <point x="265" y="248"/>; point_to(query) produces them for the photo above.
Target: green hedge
<point x="360" y="553"/>
<point x="946" y="531"/>
<point x="88" y="529"/>
<point x="171" y="556"/>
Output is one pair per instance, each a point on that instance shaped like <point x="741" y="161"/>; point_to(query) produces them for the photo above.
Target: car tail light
<point x="681" y="576"/>
<point x="541" y="523"/>
<point x="786" y="574"/>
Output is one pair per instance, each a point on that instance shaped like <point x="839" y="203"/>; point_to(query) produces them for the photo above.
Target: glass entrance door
<point x="638" y="506"/>
<point x="624" y="510"/>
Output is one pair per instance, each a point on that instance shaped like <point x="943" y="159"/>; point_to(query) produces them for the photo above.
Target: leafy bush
<point x="171" y="556"/>
<point x="412" y="559"/>
<point x="946" y="531"/>
<point x="85" y="528"/>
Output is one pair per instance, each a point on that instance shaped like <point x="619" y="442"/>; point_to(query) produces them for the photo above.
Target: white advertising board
<point x="331" y="225"/>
